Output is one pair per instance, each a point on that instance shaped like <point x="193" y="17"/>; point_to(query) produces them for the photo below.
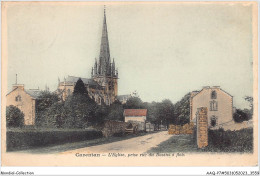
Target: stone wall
<point x="178" y="129"/>
<point x="202" y="127"/>
<point x="112" y="127"/>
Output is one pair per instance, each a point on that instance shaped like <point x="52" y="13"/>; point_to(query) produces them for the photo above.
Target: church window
<point x="18" y="98"/>
<point x="69" y="91"/>
<point x="213" y="105"/>
<point x="213" y="94"/>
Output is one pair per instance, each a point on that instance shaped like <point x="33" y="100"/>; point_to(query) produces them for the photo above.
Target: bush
<point x="230" y="141"/>
<point x="14" y="117"/>
<point x="240" y="116"/>
<point x="31" y="138"/>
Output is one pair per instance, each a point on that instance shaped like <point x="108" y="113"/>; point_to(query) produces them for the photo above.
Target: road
<point x="139" y="144"/>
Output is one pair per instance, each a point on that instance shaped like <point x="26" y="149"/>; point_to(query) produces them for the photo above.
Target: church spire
<point x="104" y="56"/>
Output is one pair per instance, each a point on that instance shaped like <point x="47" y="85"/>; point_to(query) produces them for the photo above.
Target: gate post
<point x="202" y="127"/>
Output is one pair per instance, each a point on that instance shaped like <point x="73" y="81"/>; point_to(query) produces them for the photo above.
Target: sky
<point x="163" y="51"/>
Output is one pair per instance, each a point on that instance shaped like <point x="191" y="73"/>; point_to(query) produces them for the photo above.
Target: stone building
<point x="25" y="100"/>
<point x="218" y="102"/>
<point x="103" y="84"/>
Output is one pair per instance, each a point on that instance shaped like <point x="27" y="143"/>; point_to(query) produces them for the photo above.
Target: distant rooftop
<point x="74" y="79"/>
<point x="135" y="112"/>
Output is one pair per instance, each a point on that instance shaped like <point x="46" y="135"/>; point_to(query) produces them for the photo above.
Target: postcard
<point x="129" y="84"/>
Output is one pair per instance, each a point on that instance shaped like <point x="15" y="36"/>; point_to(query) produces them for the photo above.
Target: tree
<point x="240" y="116"/>
<point x="101" y="113"/>
<point x="250" y="100"/>
<point x="182" y="111"/>
<point x="134" y="103"/>
<point x="53" y="117"/>
<point x="152" y="112"/>
<point x="160" y="112"/>
<point x="116" y="111"/>
<point x="45" y="100"/>
<point x="80" y="111"/>
<point x="14" y="117"/>
<point x="251" y="104"/>
<point x="80" y="88"/>
<point x="167" y="111"/>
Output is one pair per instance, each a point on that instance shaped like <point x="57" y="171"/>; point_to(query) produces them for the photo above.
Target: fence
<point x="178" y="129"/>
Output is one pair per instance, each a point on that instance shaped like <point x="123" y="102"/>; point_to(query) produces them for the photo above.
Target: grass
<point x="219" y="141"/>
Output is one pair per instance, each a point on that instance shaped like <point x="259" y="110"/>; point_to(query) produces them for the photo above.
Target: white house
<point x="136" y="116"/>
<point x="218" y="102"/>
<point x="25" y="100"/>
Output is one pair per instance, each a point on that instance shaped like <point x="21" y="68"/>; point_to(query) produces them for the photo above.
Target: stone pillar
<point x="202" y="127"/>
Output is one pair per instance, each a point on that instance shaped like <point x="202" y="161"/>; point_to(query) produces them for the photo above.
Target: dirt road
<point x="139" y="144"/>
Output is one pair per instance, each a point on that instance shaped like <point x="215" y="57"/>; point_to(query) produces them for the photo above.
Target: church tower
<point x="104" y="71"/>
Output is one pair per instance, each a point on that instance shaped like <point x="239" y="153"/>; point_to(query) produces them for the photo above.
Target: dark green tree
<point x="152" y="112"/>
<point x="167" y="111"/>
<point x="80" y="108"/>
<point x="134" y="103"/>
<point x="101" y="113"/>
<point x="14" y="117"/>
<point x="182" y="111"/>
<point x="116" y="111"/>
<point x="45" y="100"/>
<point x="80" y="88"/>
<point x="53" y="117"/>
<point x="240" y="116"/>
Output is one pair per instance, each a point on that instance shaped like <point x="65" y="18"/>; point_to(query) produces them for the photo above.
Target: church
<point x="103" y="84"/>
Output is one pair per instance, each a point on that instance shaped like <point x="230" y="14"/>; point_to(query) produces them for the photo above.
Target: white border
<point x="128" y="170"/>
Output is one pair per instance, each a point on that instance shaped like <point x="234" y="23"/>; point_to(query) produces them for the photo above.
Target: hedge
<point x="26" y="139"/>
<point x="231" y="141"/>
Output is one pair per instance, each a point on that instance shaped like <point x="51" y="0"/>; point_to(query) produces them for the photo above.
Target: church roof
<point x="87" y="81"/>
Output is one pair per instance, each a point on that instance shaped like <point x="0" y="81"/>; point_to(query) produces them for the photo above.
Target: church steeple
<point x="104" y="67"/>
<point x="104" y="56"/>
<point x="104" y="72"/>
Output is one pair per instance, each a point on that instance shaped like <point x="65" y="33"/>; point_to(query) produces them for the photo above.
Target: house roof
<point x="193" y="93"/>
<point x="34" y="93"/>
<point x="135" y="112"/>
<point x="207" y="87"/>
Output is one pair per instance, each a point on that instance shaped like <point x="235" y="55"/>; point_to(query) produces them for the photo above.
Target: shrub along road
<point x="219" y="141"/>
<point x="58" y="148"/>
<point x="139" y="144"/>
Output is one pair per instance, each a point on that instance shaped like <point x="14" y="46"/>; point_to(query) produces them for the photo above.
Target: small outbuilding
<point x="137" y="116"/>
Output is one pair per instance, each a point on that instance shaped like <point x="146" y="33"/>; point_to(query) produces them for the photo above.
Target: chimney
<point x="19" y="86"/>
<point x="206" y="87"/>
